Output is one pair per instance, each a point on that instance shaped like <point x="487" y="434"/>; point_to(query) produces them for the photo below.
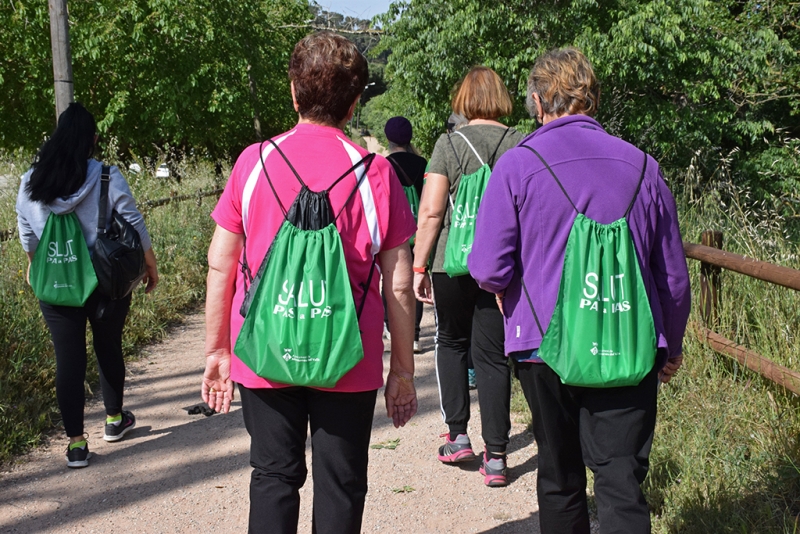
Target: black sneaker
<point x="78" y="455"/>
<point x="115" y="432"/>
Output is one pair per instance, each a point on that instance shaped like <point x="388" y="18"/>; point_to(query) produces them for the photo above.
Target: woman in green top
<point x="467" y="318"/>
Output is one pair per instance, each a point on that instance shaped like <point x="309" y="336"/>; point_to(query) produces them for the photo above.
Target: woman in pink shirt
<point x="374" y="223"/>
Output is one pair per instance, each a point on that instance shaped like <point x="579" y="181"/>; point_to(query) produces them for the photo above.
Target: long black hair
<point x="59" y="168"/>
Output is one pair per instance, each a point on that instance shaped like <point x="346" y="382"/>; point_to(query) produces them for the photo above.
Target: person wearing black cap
<point x="410" y="170"/>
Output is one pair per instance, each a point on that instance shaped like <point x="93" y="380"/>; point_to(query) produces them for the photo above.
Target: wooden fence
<point x="7" y="235"/>
<point x="712" y="261"/>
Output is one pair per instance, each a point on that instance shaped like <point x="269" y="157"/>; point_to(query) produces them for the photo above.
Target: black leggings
<point x="469" y="322"/>
<point x="68" y="331"/>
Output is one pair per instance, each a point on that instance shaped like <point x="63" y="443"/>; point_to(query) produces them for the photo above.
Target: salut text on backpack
<point x="61" y="272"/>
<point x="602" y="333"/>
<point x="300" y="317"/>
<point x="469" y="191"/>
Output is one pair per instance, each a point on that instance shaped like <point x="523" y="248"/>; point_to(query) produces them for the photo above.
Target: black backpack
<point x="118" y="257"/>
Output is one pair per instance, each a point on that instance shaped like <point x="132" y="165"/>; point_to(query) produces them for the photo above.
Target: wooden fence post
<point x="710" y="285"/>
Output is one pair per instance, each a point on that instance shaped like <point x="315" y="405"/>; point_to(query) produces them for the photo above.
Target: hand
<point x="498" y="297"/>
<point x="151" y="271"/>
<point x="672" y="366"/>
<point x="401" y="398"/>
<point x="217" y="387"/>
<point x="422" y="287"/>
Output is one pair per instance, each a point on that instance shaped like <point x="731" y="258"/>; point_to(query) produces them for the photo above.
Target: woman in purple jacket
<point x="522" y="228"/>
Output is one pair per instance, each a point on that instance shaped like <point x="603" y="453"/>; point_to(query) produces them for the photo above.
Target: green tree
<point x="688" y="80"/>
<point x="206" y="75"/>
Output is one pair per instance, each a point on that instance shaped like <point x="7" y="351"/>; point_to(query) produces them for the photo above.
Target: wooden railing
<point x="7" y="235"/>
<point x="712" y="260"/>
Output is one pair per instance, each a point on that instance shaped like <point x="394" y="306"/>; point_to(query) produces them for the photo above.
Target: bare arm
<point x="151" y="270"/>
<point x="223" y="257"/>
<point x="431" y="212"/>
<point x="400" y="394"/>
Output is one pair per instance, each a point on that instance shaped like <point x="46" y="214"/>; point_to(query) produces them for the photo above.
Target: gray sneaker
<point x="494" y="472"/>
<point x="115" y="432"/>
<point x="458" y="450"/>
<point x="78" y="455"/>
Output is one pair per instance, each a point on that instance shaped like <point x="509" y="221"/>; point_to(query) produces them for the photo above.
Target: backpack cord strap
<point x="289" y="163"/>
<point x="369" y="158"/>
<point x="638" y="187"/>
<point x="554" y="176"/>
<point x="366" y="287"/>
<point x="406" y="179"/>
<point x="530" y="303"/>
<point x="472" y="147"/>
<point x="102" y="204"/>
<point x="494" y="154"/>
<point x="460" y="168"/>
<point x="266" y="175"/>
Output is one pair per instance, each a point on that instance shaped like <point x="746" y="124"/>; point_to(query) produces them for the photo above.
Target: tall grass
<point x="726" y="455"/>
<point x="180" y="233"/>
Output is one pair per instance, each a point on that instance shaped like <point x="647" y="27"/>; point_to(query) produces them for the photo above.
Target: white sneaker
<point x="416" y="346"/>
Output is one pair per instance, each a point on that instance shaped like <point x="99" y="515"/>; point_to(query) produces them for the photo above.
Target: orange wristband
<point x="420" y="270"/>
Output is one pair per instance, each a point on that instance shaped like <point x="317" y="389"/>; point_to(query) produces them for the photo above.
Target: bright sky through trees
<point x="362" y="9"/>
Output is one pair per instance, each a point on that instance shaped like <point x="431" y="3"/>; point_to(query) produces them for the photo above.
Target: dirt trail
<point x="189" y="473"/>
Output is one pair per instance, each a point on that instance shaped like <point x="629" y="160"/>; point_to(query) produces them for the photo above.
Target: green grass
<point x="180" y="233"/>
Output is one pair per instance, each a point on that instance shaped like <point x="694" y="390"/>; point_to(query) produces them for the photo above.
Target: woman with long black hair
<point x="65" y="179"/>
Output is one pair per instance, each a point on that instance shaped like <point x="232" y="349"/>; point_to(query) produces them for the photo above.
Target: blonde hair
<point x="482" y="95"/>
<point x="565" y="82"/>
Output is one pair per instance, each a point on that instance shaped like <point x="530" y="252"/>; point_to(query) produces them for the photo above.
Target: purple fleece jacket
<point x="524" y="221"/>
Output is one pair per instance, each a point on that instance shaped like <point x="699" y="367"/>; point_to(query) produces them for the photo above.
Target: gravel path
<point x="189" y="473"/>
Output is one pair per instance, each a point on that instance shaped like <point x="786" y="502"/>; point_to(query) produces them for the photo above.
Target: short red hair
<point x="482" y="95"/>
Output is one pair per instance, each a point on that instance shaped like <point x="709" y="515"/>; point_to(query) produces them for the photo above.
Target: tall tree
<point x="199" y="74"/>
<point x="688" y="80"/>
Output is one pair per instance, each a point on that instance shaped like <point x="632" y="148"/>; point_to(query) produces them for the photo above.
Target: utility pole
<point x="62" y="57"/>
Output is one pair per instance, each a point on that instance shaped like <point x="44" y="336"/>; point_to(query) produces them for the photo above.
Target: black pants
<point x="610" y="431"/>
<point x="67" y="327"/>
<point x="277" y="421"/>
<point x="468" y="320"/>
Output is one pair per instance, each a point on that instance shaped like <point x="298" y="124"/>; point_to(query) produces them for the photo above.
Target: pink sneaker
<point x="458" y="450"/>
<point x="494" y="472"/>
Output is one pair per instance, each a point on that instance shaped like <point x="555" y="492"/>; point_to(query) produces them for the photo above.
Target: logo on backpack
<point x="307" y="304"/>
<point x="615" y="302"/>
<point x="54" y="255"/>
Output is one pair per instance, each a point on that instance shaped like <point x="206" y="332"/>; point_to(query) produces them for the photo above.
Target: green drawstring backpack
<point x="411" y="192"/>
<point x="601" y="334"/>
<point x="469" y="191"/>
<point x="61" y="270"/>
<point x="300" y="319"/>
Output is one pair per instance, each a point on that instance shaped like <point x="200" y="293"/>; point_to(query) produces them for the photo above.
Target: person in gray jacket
<point x="63" y="178"/>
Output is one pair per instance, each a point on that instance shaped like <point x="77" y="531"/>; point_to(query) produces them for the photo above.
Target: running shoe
<point x="471" y="380"/>
<point x="458" y="450"/>
<point x="494" y="472"/>
<point x="78" y="454"/>
<point x="116" y="431"/>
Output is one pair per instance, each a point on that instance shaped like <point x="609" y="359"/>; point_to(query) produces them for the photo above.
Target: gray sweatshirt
<point x="32" y="216"/>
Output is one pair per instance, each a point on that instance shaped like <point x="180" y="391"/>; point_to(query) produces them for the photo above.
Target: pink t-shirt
<point x="376" y="218"/>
